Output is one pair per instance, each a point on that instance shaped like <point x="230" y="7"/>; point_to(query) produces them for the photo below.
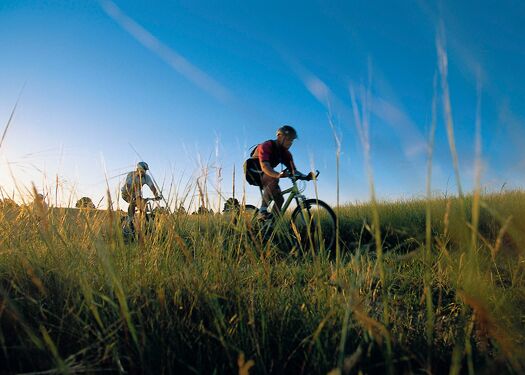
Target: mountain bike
<point x="311" y="225"/>
<point x="129" y="231"/>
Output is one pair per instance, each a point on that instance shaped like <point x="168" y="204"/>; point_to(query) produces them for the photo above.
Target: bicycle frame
<point x="280" y="224"/>
<point x="144" y="214"/>
<point x="294" y="193"/>
<point x="141" y="220"/>
<point x="306" y="219"/>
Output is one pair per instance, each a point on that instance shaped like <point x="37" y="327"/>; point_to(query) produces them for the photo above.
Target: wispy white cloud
<point x="315" y="86"/>
<point x="444" y="19"/>
<point x="414" y="144"/>
<point x="172" y="58"/>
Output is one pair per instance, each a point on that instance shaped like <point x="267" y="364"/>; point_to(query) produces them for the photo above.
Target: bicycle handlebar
<point x="152" y="199"/>
<point x="307" y="177"/>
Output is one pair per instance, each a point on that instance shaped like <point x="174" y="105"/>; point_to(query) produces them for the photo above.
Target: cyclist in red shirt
<point x="270" y="154"/>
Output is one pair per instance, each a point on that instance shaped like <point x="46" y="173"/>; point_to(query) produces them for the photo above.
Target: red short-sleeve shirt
<point x="274" y="154"/>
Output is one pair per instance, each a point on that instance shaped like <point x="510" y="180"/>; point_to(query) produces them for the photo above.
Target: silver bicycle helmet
<point x="143" y="166"/>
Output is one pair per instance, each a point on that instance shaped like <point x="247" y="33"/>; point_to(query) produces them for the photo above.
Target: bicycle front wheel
<point x="314" y="225"/>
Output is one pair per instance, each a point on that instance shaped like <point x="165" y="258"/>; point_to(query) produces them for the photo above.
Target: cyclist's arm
<point x="268" y="170"/>
<point x="302" y="176"/>
<point x="152" y="187"/>
<point x="289" y="163"/>
<point x="263" y="152"/>
<point x="154" y="191"/>
<point x="291" y="166"/>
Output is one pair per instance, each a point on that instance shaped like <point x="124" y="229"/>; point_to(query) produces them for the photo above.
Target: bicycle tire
<point x="251" y="208"/>
<point x="319" y="230"/>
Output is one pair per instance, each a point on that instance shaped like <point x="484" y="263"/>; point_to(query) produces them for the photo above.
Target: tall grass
<point x="198" y="292"/>
<point x="434" y="285"/>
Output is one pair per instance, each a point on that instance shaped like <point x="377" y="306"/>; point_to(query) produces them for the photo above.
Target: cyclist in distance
<point x="260" y="167"/>
<point x="132" y="189"/>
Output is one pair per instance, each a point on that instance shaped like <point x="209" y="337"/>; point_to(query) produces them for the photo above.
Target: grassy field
<point x="444" y="292"/>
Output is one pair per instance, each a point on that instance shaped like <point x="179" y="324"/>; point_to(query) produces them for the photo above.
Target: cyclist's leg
<point x="141" y="206"/>
<point x="131" y="208"/>
<point x="271" y="191"/>
<point x="135" y="202"/>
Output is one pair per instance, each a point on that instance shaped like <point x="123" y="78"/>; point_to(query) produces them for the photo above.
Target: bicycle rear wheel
<point x="314" y="225"/>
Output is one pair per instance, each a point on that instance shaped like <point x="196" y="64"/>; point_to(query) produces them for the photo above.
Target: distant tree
<point x="181" y="210"/>
<point x="85" y="202"/>
<point x="8" y="203"/>
<point x="204" y="211"/>
<point x="231" y="204"/>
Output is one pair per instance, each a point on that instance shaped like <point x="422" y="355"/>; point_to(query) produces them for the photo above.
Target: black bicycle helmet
<point x="288" y="131"/>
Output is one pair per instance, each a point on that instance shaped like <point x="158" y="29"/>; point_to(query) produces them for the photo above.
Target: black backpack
<point x="253" y="172"/>
<point x="252" y="168"/>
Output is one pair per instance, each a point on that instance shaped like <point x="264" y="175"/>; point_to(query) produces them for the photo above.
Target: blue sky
<point x="191" y="85"/>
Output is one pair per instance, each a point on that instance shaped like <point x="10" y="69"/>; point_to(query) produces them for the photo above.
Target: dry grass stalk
<point x="486" y="327"/>
<point x="499" y="240"/>
<point x="244" y="366"/>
